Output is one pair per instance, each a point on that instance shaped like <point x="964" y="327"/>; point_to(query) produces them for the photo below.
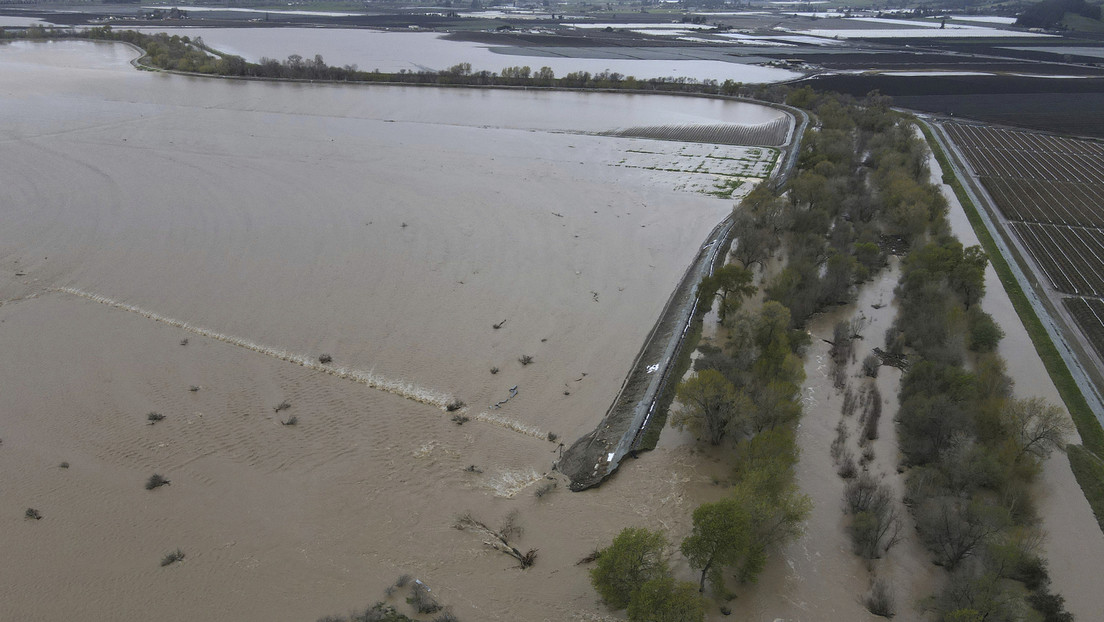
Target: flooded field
<point x="192" y="246"/>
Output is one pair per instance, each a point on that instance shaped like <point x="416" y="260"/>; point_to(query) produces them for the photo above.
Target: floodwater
<point x="818" y="577"/>
<point x="1073" y="544"/>
<point x="425" y="51"/>
<point x="164" y="232"/>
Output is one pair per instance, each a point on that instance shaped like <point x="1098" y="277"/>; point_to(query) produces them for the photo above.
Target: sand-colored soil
<point x="264" y="223"/>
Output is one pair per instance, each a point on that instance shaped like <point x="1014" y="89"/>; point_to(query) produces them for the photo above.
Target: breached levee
<point x="407" y="390"/>
<point x="595" y="456"/>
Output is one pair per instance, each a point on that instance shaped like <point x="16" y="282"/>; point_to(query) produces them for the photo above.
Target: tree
<point x="984" y="333"/>
<point x="955" y="529"/>
<point x="967" y="278"/>
<point x="711" y="406"/>
<point x="753" y="243"/>
<point x="732" y="284"/>
<point x="720" y="539"/>
<point x="664" y="600"/>
<point x="1036" y="427"/>
<point x="635" y="557"/>
<point x="774" y="405"/>
<point x="776" y="510"/>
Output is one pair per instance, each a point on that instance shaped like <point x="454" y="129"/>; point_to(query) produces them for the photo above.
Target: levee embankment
<point x="598" y="454"/>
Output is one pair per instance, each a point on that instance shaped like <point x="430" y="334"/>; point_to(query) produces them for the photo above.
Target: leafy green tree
<point x="664" y="600"/>
<point x="776" y="510"/>
<point x="720" y="539"/>
<point x="711" y="406"/>
<point x="635" y="557"/>
<point x="967" y="278"/>
<point x="984" y="333"/>
<point x="732" y="284"/>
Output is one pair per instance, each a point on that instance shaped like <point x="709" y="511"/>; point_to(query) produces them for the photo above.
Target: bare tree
<point x="1037" y="427"/>
<point x="499" y="540"/>
<point x="875" y="522"/>
<point x="955" y="529"/>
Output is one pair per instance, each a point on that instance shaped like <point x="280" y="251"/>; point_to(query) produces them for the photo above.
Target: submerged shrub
<point x="156" y="481"/>
<point x="172" y="558"/>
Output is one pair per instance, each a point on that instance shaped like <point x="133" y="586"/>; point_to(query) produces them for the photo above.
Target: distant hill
<point x="1051" y="13"/>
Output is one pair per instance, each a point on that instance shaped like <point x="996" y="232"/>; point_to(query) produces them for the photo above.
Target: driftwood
<point x="900" y="361"/>
<point x="499" y="540"/>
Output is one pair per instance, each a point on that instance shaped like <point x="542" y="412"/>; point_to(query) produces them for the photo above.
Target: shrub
<point x="459" y="419"/>
<point x="154" y="417"/>
<point x="292" y="420"/>
<point x="544" y="489"/>
<point x="32" y="513"/>
<point x="454" y="405"/>
<point x="494" y="370"/>
<point x="284" y="405"/>
<point x="525" y="359"/>
<point x="421" y="600"/>
<point x="871" y="364"/>
<point x="156" y="481"/>
<point x="172" y="558"/>
<point x="552" y="437"/>
<point x="184" y="342"/>
<point x="879" y="600"/>
<point x="193" y="388"/>
<point x="325" y="359"/>
<point x="64" y="465"/>
<point x="847" y="468"/>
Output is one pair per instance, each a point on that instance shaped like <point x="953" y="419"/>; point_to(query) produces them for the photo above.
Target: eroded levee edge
<point x="597" y="455"/>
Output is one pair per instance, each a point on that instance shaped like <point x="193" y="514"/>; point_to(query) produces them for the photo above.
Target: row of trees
<point x="744" y="394"/>
<point x="179" y="53"/>
<point x="971" y="448"/>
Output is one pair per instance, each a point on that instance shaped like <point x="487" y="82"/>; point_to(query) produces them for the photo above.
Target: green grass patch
<point x="1089" y="469"/>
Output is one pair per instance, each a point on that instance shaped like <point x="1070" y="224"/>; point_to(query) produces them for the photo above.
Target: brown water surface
<point x="270" y="223"/>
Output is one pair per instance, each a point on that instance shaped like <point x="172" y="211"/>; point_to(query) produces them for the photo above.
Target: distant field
<point x="1051" y="191"/>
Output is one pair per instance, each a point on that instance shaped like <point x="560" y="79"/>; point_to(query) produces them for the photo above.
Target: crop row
<point x="1089" y="315"/>
<point x="1048" y="202"/>
<point x="1072" y="258"/>
<point x="1008" y="153"/>
<point x="770" y="133"/>
<point x="998" y="138"/>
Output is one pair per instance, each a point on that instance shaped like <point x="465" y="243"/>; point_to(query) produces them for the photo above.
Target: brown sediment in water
<point x="272" y="215"/>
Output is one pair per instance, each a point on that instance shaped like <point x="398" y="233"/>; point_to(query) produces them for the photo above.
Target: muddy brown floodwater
<point x="267" y="224"/>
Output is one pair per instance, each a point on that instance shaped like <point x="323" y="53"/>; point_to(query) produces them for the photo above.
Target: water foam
<point x="510" y="482"/>
<point x="511" y="424"/>
<point x="369" y="378"/>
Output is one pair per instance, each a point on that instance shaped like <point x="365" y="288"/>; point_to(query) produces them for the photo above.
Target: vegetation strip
<point x="1085" y="464"/>
<point x="1088" y="426"/>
